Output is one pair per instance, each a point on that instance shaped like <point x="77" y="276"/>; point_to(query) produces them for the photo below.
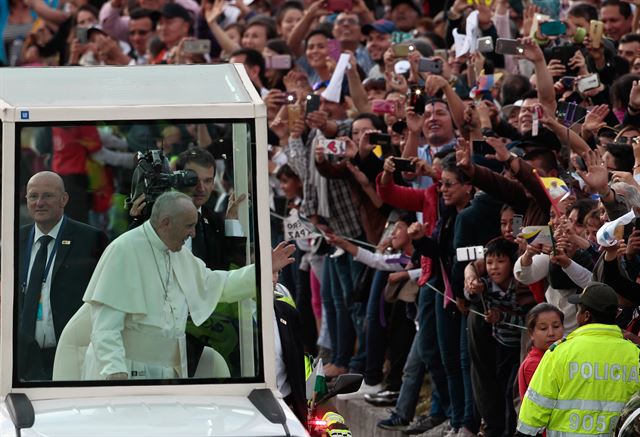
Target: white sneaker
<point x="363" y="390"/>
<point x="464" y="432"/>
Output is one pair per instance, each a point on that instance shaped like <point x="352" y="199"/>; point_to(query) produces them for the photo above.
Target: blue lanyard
<point x="27" y="259"/>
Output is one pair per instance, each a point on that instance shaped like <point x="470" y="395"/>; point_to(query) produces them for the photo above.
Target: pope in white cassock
<point x="143" y="288"/>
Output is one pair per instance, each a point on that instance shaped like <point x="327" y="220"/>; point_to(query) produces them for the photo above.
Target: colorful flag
<point x="556" y="190"/>
<point x="317" y="384"/>
<point x="536" y="235"/>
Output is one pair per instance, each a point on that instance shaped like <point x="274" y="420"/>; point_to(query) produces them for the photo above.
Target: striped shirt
<point x="510" y="312"/>
<point x="344" y="217"/>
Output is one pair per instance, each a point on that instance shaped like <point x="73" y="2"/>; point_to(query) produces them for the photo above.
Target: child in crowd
<point x="545" y="327"/>
<point x="497" y="291"/>
<point x="400" y="327"/>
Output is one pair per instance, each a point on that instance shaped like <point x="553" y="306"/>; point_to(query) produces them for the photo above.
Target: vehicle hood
<point x="157" y="416"/>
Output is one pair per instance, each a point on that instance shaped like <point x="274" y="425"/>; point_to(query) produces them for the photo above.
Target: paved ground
<point x="362" y="418"/>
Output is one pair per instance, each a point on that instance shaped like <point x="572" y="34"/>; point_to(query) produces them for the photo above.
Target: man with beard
<point x="378" y="36"/>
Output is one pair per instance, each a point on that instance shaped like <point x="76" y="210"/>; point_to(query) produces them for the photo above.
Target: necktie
<point x="198" y="245"/>
<point x="30" y="310"/>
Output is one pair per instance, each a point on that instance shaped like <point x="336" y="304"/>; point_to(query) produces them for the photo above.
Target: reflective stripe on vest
<point x="527" y="429"/>
<point x="551" y="433"/>
<point x="574" y="404"/>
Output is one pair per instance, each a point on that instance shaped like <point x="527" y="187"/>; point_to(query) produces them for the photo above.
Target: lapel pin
<point x="206" y="221"/>
<point x="66" y="242"/>
<point x="283" y="321"/>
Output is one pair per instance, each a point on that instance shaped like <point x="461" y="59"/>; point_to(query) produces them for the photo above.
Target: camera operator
<point x="218" y="242"/>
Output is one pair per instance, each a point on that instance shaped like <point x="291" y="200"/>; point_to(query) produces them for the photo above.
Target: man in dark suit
<point x="57" y="258"/>
<point x="214" y="243"/>
<point x="291" y="353"/>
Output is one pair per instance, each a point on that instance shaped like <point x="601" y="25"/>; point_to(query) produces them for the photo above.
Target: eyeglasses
<point x="139" y="32"/>
<point x="32" y="197"/>
<point x="347" y="22"/>
<point x="448" y="184"/>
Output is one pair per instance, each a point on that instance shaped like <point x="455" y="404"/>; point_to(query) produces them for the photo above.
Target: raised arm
<point x="546" y="92"/>
<point x="212" y="12"/>
<point x="46" y="12"/>
<point x="302" y="28"/>
<point x="356" y="89"/>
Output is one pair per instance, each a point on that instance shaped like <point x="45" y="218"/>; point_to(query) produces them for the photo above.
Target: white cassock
<point x="140" y="295"/>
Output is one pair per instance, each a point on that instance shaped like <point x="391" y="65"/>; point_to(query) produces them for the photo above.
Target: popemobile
<point x="106" y="113"/>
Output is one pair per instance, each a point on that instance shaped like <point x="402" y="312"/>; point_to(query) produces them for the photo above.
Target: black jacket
<point x="290" y="330"/>
<point x="80" y="249"/>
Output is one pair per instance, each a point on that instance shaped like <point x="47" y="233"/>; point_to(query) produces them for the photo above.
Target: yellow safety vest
<point x="581" y="384"/>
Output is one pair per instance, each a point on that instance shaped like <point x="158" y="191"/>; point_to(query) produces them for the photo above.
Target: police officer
<point x="584" y="380"/>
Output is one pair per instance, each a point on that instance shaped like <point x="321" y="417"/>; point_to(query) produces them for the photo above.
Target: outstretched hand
<point x="281" y="256"/>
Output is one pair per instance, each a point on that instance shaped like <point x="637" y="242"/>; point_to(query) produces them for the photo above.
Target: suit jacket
<point x="290" y="330"/>
<point x="221" y="251"/>
<point x="72" y="270"/>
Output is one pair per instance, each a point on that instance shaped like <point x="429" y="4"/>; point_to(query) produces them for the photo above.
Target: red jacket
<point x="414" y="199"/>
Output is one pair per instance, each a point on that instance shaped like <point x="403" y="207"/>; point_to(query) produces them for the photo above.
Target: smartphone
<point x="516" y="224"/>
<point x="339" y="5"/>
<point x="506" y="46"/>
<point x="430" y="65"/>
<point x="471" y="253"/>
<point x="402" y="50"/>
<point x="82" y="34"/>
<point x="334" y="147"/>
<point x="382" y="140"/>
<point x="404" y="164"/>
<point x="290" y="98"/>
<point x="481" y="147"/>
<point x="313" y="103"/>
<point x="553" y="28"/>
<point x="553" y="240"/>
<point x="380" y="106"/>
<point x="588" y="83"/>
<point x="278" y="62"/>
<point x="197" y="46"/>
<point x="595" y="33"/>
<point x="335" y="49"/>
<point x="581" y="164"/>
<point x="636" y="224"/>
<point x="444" y="54"/>
<point x="568" y="81"/>
<point x="293" y="113"/>
<point x="485" y="44"/>
<point x="562" y="53"/>
<point x="570" y="112"/>
<point x="417" y="99"/>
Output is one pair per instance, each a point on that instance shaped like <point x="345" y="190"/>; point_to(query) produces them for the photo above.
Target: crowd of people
<point x="467" y="174"/>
